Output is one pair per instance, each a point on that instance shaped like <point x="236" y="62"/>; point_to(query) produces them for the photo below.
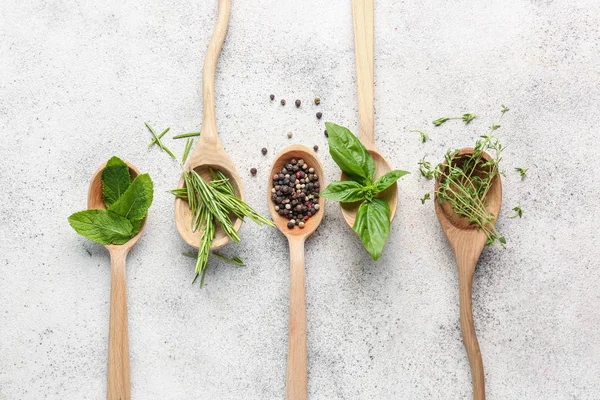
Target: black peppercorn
<point x="316" y="148"/>
<point x="298" y="102"/>
<point x="282" y="102"/>
<point x="272" y="97"/>
<point x="264" y="150"/>
<point x="253" y="171"/>
<point x="290" y="225"/>
<point x="326" y="133"/>
<point x="319" y="115"/>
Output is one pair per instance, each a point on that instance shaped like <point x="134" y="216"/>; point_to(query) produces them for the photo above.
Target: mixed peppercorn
<point x="295" y="192"/>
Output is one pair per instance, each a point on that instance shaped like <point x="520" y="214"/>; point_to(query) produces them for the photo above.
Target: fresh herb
<point x="372" y="222"/>
<point x="426" y="169"/>
<point x="186" y="150"/>
<point x="424" y="136"/>
<point x="186" y="135"/>
<point x="153" y="142"/>
<point x="465" y="117"/>
<point x="212" y="202"/>
<point x="464" y="181"/>
<point x="127" y="204"/>
<point x="158" y="142"/>
<point x="522" y="171"/>
<point x="233" y="260"/>
<point x="519" y="212"/>
<point x="427" y="196"/>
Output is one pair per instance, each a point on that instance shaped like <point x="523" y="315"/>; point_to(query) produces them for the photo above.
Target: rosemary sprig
<point x="158" y="142"/>
<point x="186" y="135"/>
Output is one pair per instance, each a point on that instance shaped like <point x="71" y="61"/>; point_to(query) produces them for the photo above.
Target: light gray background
<point x="77" y="80"/>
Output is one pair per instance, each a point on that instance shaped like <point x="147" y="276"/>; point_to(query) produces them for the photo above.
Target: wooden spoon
<point x="209" y="152"/>
<point x="297" y="383"/>
<point x="362" y="12"/>
<point x="467" y="242"/>
<point x="118" y="341"/>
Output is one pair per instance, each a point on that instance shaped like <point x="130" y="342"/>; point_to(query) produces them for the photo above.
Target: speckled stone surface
<point x="77" y="80"/>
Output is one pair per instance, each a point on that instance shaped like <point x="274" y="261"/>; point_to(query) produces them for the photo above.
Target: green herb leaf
<point x="440" y="121"/>
<point x="388" y="180"/>
<point x="522" y="171"/>
<point x="427" y="196"/>
<point x="468" y="117"/>
<point x="519" y="212"/>
<point x="424" y="136"/>
<point x="115" y="180"/>
<point x="186" y="135"/>
<point x="373" y="225"/>
<point x="344" y="191"/>
<point x="136" y="200"/>
<point x="102" y="226"/>
<point x="350" y="154"/>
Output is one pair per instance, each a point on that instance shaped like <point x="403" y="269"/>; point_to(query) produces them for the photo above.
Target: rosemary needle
<point x="157" y="140"/>
<point x="186" y="135"/>
<point x="153" y="142"/>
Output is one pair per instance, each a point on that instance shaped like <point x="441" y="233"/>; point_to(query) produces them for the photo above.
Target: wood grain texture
<point x="209" y="152"/>
<point x="297" y="376"/>
<point x="118" y="377"/>
<point x="468" y="242"/>
<point x="363" y="22"/>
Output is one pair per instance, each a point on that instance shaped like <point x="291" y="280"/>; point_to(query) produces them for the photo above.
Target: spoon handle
<point x="466" y="271"/>
<point x="118" y="342"/>
<point x="362" y="12"/>
<point x="297" y="384"/>
<point x="209" y="123"/>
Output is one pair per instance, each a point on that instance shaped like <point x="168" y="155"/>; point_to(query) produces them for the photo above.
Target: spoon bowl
<point x="297" y="378"/>
<point x="96" y="200"/>
<point x="390" y="194"/>
<point x="467" y="242"/>
<point x="298" y="152"/>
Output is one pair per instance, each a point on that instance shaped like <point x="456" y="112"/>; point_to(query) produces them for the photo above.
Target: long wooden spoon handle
<point x="362" y="12"/>
<point x="466" y="270"/>
<point x="297" y="381"/>
<point x="209" y="124"/>
<point x="118" y="342"/>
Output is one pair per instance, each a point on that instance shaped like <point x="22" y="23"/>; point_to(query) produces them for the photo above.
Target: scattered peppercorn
<point x="317" y="101"/>
<point x="319" y="115"/>
<point x="316" y="148"/>
<point x="298" y="102"/>
<point x="264" y="150"/>
<point x="282" y="102"/>
<point x="326" y="133"/>
<point x="272" y="97"/>
<point x="289" y="134"/>
<point x="295" y="192"/>
<point x="253" y="171"/>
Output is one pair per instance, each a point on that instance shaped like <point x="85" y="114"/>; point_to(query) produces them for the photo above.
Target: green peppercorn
<point x="317" y="101"/>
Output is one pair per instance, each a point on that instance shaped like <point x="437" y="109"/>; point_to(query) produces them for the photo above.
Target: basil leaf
<point x="373" y="225"/>
<point x="115" y="180"/>
<point x="102" y="226"/>
<point x="136" y="200"/>
<point x="388" y="180"/>
<point x="349" y="153"/>
<point x="344" y="191"/>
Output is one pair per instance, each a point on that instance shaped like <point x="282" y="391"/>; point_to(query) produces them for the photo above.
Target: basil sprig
<point x="372" y="222"/>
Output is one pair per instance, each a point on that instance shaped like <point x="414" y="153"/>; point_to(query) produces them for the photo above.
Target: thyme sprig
<point x="468" y="117"/>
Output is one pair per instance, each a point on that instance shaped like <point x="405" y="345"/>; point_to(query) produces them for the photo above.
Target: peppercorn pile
<point x="295" y="192"/>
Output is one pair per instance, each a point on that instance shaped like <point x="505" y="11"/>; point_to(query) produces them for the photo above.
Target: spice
<point x="317" y="101"/>
<point x="272" y="97"/>
<point x="282" y="102"/>
<point x="253" y="171"/>
<point x="264" y="150"/>
<point x="316" y="148"/>
<point x="298" y="102"/>
<point x="289" y="134"/>
<point x="319" y="115"/>
<point x="296" y="195"/>
<point x="326" y="133"/>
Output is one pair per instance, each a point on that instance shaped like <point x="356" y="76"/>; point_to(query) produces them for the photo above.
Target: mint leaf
<point x="102" y="226"/>
<point x="344" y="191"/>
<point x="115" y="180"/>
<point x="373" y="225"/>
<point x="350" y="154"/>
<point x="388" y="180"/>
<point x="136" y="200"/>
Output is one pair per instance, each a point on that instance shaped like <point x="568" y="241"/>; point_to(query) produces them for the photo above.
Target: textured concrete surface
<point x="77" y="80"/>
